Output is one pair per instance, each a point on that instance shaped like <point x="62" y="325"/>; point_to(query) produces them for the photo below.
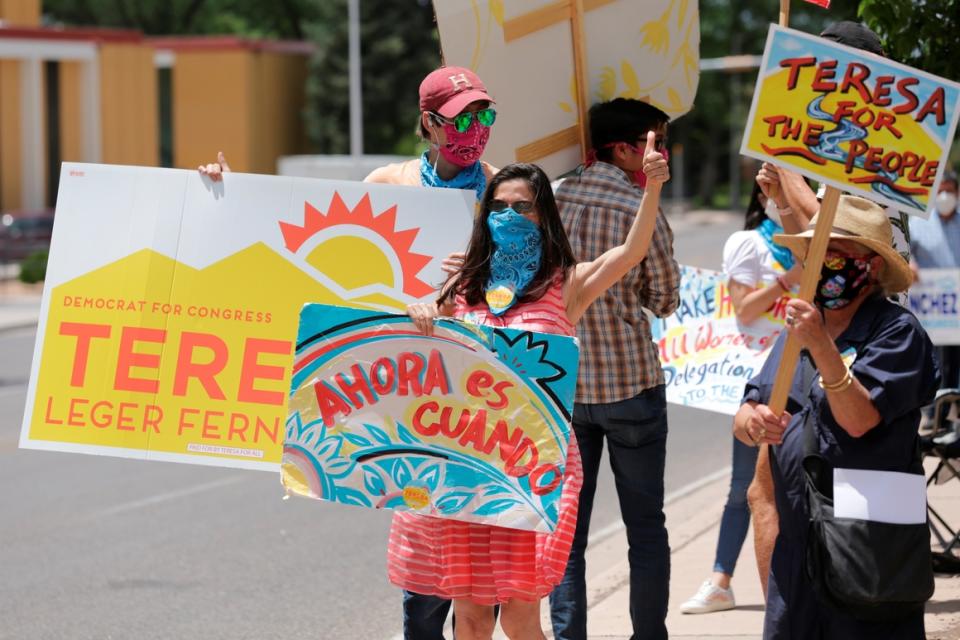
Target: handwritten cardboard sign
<point x="706" y="354"/>
<point x="852" y="119"/>
<point x="472" y="423"/>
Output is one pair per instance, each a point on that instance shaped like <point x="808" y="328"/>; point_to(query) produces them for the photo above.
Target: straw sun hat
<point x="865" y="223"/>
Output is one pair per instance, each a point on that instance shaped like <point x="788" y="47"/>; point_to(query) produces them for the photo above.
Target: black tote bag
<point x="874" y="571"/>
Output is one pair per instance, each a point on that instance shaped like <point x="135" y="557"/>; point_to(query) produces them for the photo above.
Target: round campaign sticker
<point x="416" y="497"/>
<point x="499" y="297"/>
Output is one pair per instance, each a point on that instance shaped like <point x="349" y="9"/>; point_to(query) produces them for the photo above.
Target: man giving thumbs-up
<point x="620" y="390"/>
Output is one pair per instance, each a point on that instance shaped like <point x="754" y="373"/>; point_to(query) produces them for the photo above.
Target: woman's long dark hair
<point x="557" y="256"/>
<point x="755" y="211"/>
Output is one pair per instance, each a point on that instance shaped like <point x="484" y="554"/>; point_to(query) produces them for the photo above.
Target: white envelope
<point x="880" y="496"/>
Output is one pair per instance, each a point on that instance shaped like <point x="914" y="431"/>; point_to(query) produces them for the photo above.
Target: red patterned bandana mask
<point x="639" y="177"/>
<point x="463" y="149"/>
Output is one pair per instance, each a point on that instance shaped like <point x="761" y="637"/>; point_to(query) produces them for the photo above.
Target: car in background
<point x="23" y="233"/>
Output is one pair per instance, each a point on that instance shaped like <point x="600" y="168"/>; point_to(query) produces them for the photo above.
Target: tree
<point x="712" y="130"/>
<point x="399" y="46"/>
<point x="252" y="18"/>
<point x="923" y="34"/>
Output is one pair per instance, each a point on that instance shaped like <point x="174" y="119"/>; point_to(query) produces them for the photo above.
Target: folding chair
<point x="944" y="445"/>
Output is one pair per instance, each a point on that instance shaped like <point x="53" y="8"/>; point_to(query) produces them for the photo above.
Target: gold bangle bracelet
<point x="840" y="384"/>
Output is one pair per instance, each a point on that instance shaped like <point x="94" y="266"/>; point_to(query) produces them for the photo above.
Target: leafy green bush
<point x="34" y="267"/>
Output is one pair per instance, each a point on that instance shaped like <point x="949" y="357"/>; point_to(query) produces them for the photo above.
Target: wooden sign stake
<point x="784" y="13"/>
<point x="808" y="285"/>
<point x="582" y="72"/>
<point x="784" y="22"/>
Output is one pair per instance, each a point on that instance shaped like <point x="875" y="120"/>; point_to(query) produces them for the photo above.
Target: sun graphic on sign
<point x="360" y="251"/>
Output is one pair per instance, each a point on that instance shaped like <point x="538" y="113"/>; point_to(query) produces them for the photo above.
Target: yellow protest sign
<point x="851" y="119"/>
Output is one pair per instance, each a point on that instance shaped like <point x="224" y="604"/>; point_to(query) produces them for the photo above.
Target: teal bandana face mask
<point x="518" y="246"/>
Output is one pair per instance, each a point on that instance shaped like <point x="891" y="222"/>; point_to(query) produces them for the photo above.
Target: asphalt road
<point x="106" y="548"/>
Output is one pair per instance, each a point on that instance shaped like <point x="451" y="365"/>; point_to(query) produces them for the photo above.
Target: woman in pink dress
<point x="519" y="272"/>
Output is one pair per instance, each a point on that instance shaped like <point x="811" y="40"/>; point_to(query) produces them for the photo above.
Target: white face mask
<point x="772" y="211"/>
<point x="946" y="203"/>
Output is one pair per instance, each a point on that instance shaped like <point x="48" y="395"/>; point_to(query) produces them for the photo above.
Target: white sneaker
<point x="709" y="598"/>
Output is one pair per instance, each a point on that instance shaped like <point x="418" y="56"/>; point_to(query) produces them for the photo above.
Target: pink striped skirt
<point x="486" y="564"/>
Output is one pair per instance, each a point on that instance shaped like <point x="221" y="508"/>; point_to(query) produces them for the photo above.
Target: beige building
<point x="113" y="96"/>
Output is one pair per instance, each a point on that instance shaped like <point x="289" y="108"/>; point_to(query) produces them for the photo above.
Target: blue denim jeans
<point x="636" y="433"/>
<point x="736" y="513"/>
<point x="424" y="616"/>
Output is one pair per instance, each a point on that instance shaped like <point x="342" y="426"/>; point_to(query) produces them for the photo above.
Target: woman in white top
<point x="758" y="274"/>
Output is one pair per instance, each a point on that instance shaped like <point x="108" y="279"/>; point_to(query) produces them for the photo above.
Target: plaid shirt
<point x="618" y="356"/>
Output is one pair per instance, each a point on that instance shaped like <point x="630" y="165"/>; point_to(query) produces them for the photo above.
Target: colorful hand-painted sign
<point x="171" y="302"/>
<point x="933" y="298"/>
<point x="472" y="423"/>
<point x="852" y="119"/>
<point x="524" y="51"/>
<point x="707" y="355"/>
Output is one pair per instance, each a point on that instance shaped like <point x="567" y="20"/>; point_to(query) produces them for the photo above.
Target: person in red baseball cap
<point x="456" y="114"/>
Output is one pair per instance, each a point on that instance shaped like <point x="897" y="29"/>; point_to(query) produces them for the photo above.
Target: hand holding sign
<point x="423" y="315"/>
<point x="768" y="177"/>
<point x="215" y="170"/>
<point x="453" y="262"/>
<point x="654" y="164"/>
<point x="765" y="427"/>
<point x="805" y="323"/>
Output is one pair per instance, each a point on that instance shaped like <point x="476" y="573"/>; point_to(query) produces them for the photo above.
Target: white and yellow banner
<point x="170" y="309"/>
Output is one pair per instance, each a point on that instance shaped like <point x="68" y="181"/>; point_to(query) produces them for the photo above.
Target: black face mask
<point x="842" y="278"/>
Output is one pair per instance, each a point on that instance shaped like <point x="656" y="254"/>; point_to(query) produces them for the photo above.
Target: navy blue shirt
<point x="892" y="357"/>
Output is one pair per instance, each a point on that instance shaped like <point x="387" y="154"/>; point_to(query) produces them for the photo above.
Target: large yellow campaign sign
<point x="170" y="310"/>
<point x="851" y="119"/>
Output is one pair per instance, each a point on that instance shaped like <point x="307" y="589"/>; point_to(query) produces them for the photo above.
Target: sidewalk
<point x="693" y="522"/>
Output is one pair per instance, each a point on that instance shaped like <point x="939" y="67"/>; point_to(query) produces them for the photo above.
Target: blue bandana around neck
<point x="471" y="177"/>
<point x="518" y="247"/>
<point x="781" y="254"/>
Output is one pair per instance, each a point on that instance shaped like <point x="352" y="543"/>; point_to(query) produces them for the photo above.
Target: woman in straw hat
<point x="874" y="368"/>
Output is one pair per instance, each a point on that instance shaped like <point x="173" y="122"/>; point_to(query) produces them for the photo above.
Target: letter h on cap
<point x="460" y="79"/>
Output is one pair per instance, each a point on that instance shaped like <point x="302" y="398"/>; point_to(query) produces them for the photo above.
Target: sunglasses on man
<point x="463" y="121"/>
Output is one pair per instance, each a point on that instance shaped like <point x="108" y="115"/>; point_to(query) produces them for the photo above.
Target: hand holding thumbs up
<point x="654" y="164"/>
<point x="215" y="170"/>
